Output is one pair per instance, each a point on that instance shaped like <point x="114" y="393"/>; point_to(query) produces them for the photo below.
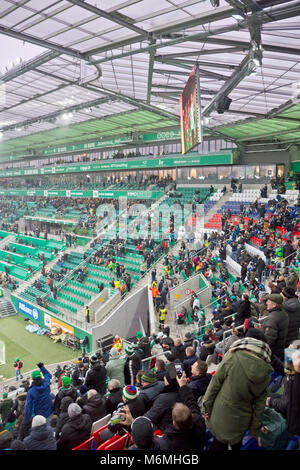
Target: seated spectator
<point x="142" y="433"/>
<point x="207" y="347"/>
<point x="41" y="436"/>
<point x="178" y="350"/>
<point x="114" y="397"/>
<point x="95" y="406"/>
<point x="6" y="439"/>
<point x="76" y="430"/>
<point x="199" y="379"/>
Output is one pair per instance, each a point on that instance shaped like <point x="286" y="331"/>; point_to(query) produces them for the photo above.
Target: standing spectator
<point x="291" y="305"/>
<point x="244" y="310"/>
<point x="41" y="436"/>
<point x="150" y="388"/>
<point x="38" y="399"/>
<point x="275" y="326"/>
<point x="234" y="401"/>
<point x="96" y="376"/>
<point x="144" y="345"/>
<point x="200" y="379"/>
<point x="178" y="351"/>
<point x="67" y="390"/>
<point x="6" y="405"/>
<point x="132" y="365"/>
<point x="115" y="367"/>
<point x="189" y="361"/>
<point x="76" y="430"/>
<point x="62" y="416"/>
<point x="18" y="366"/>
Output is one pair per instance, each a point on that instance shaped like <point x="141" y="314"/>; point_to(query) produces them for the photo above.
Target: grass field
<point x="29" y="347"/>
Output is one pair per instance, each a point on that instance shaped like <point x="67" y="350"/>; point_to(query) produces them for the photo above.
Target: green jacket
<point x="236" y="396"/>
<point x="5" y="408"/>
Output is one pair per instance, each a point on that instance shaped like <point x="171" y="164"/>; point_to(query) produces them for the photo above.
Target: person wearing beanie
<point x="161" y="411"/>
<point x="6" y="405"/>
<point x="67" y="370"/>
<point x="38" y="398"/>
<point x="76" y="430"/>
<point x="288" y="404"/>
<point x="132" y="365"/>
<point x="66" y="390"/>
<point x="142" y="432"/>
<point x="41" y="435"/>
<point x="96" y="376"/>
<point x="115" y="367"/>
<point x="135" y="402"/>
<point x="291" y="305"/>
<point x="78" y="375"/>
<point x="275" y="326"/>
<point x="6" y="439"/>
<point x="143" y="344"/>
<point x="150" y="388"/>
<point x="63" y="416"/>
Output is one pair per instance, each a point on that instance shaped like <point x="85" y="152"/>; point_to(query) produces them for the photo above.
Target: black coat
<point x="40" y="438"/>
<point x="193" y="439"/>
<point x="95" y="407"/>
<point x="63" y="415"/>
<point x="244" y="311"/>
<point x="144" y="345"/>
<point x="198" y="384"/>
<point x="74" y="432"/>
<point x="64" y="392"/>
<point x="292" y="308"/>
<point x="113" y="400"/>
<point x="96" y="378"/>
<point x="131" y="367"/>
<point x="187" y="364"/>
<point x="179" y="352"/>
<point x="161" y="412"/>
<point x="275" y="328"/>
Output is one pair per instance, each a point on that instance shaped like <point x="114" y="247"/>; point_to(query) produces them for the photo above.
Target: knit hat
<point x="141" y="428"/>
<point x="38" y="420"/>
<point x="5" y="395"/>
<point x="94" y="360"/>
<point x="288" y="292"/>
<point x="130" y="392"/>
<point x="36" y="374"/>
<point x="129" y="350"/>
<point x="68" y="368"/>
<point x="66" y="380"/>
<point x="276" y="298"/>
<point x="139" y="335"/>
<point x="74" y="410"/>
<point x="17" y="359"/>
<point x="148" y="377"/>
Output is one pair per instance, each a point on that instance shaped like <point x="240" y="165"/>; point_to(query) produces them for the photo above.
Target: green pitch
<point x="29" y="347"/>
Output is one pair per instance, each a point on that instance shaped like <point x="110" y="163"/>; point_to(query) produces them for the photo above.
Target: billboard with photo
<point x="190" y="113"/>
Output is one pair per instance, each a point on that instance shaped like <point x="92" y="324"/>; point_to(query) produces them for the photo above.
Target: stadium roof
<point x="109" y="67"/>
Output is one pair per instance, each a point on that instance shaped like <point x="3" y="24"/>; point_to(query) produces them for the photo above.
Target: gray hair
<point x="113" y="383"/>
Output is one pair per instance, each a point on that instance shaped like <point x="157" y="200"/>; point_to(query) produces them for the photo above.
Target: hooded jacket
<point x="38" y="399"/>
<point x="292" y="308"/>
<point x="64" y="392"/>
<point x="132" y="365"/>
<point x="40" y="438"/>
<point x="161" y="411"/>
<point x="115" y="367"/>
<point x="151" y="392"/>
<point x="179" y="352"/>
<point x="236" y="395"/>
<point x="76" y="430"/>
<point x="198" y="384"/>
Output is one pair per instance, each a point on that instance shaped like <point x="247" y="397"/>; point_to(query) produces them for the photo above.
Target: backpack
<point x="276" y="435"/>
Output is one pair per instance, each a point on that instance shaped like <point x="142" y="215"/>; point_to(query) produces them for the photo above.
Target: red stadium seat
<point x="86" y="445"/>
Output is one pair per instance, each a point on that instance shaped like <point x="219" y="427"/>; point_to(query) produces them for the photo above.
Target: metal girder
<point x="28" y="66"/>
<point x="201" y="52"/>
<point x="150" y="74"/>
<point x="42" y="43"/>
<point x="56" y="114"/>
<point x="245" y="46"/>
<point x="190" y="63"/>
<point x="114" y="17"/>
<point x="230" y="84"/>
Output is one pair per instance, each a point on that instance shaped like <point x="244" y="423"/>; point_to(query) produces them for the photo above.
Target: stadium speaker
<point x="223" y="104"/>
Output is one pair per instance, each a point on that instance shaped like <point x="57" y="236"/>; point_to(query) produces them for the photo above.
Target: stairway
<point x="6" y="308"/>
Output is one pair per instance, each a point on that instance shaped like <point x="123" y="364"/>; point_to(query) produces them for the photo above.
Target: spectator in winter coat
<point x="67" y="390"/>
<point x="41" y="436"/>
<point x="291" y="305"/>
<point x="63" y="415"/>
<point x="244" y="310"/>
<point x="187" y="431"/>
<point x="207" y="347"/>
<point x="200" y="379"/>
<point x="95" y="406"/>
<point x="178" y="351"/>
<point x="244" y="372"/>
<point x="131" y="366"/>
<point x="143" y="344"/>
<point x="150" y="388"/>
<point x="76" y="430"/>
<point x="38" y="399"/>
<point x="115" y="367"/>
<point x="114" y="397"/>
<point x="275" y="326"/>
<point x="78" y="376"/>
<point x="96" y="376"/>
<point x="6" y="405"/>
<point x="189" y="361"/>
<point x="288" y="404"/>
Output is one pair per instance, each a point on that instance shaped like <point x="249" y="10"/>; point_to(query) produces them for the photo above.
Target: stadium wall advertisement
<point x="44" y="319"/>
<point x="126" y="165"/>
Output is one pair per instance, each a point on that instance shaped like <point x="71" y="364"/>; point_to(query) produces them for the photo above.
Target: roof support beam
<point x="150" y="74"/>
<point x="42" y="43"/>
